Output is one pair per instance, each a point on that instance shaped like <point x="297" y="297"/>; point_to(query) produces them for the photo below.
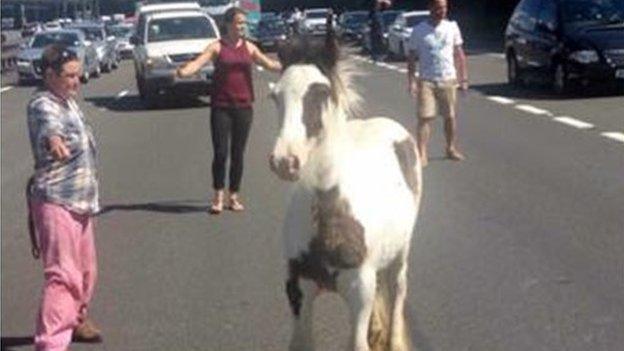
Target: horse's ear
<point x="331" y="43"/>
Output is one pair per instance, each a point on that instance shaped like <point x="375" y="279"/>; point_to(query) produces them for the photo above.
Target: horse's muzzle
<point x="286" y="168"/>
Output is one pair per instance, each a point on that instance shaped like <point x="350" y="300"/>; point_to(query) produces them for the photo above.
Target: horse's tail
<point x="380" y="325"/>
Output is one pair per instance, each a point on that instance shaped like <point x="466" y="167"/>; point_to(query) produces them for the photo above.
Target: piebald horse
<point x="357" y="189"/>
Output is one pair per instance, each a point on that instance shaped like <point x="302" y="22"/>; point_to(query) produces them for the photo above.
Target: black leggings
<point x="229" y="127"/>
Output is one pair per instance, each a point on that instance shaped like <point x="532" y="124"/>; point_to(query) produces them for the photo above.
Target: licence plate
<point x="619" y="73"/>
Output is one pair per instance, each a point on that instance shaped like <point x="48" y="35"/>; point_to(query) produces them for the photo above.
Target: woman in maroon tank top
<point x="232" y="101"/>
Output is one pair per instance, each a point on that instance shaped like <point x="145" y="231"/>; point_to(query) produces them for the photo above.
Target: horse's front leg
<point x="301" y="293"/>
<point x="358" y="288"/>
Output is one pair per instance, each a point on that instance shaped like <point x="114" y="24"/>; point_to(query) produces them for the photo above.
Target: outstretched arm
<point x="191" y="67"/>
<point x="263" y="60"/>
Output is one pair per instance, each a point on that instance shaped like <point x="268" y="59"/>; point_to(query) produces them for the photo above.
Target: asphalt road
<point x="517" y="248"/>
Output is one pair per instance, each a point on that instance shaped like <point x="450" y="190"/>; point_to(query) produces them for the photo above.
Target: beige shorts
<point x="437" y="98"/>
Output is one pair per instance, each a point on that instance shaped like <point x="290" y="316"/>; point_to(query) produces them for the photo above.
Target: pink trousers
<point x="70" y="272"/>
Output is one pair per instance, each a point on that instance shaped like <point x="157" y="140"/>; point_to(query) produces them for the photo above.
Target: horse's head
<point x="302" y="95"/>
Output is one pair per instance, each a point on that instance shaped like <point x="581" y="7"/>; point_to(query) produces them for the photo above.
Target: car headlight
<point x="584" y="56"/>
<point x="157" y="62"/>
<point x="282" y="37"/>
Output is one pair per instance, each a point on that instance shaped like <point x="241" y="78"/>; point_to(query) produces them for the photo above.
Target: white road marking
<point x="574" y="122"/>
<point x="533" y="110"/>
<point x="614" y="135"/>
<point x="501" y="100"/>
<point x="402" y="70"/>
<point x="496" y="55"/>
<point x="5" y="89"/>
<point x="122" y="94"/>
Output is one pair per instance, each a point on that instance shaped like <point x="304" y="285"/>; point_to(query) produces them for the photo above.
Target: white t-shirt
<point x="434" y="47"/>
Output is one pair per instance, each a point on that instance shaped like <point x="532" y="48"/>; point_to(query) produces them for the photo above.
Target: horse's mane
<point x="325" y="54"/>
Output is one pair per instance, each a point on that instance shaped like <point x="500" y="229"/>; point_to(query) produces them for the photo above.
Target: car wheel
<point x="561" y="83"/>
<point x="98" y="71"/>
<point x="402" y="53"/>
<point x="107" y="67"/>
<point x="146" y="94"/>
<point x="115" y="64"/>
<point x="85" y="77"/>
<point x="514" y="76"/>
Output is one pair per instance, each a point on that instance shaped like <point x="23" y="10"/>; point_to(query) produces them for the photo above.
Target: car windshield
<point x="316" y="14"/>
<point x="92" y="33"/>
<point x="355" y="17"/>
<point x="271" y="24"/>
<point x="389" y="16"/>
<point x="601" y="11"/>
<point x="180" y="28"/>
<point x="42" y="40"/>
<point x="214" y="2"/>
<point x="411" y="21"/>
<point x="121" y="31"/>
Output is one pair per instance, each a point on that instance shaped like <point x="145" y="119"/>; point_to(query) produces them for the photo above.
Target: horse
<point x="357" y="186"/>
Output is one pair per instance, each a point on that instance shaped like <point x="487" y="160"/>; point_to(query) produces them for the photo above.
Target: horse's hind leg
<point x="302" y="335"/>
<point x="358" y="288"/>
<point x="397" y="280"/>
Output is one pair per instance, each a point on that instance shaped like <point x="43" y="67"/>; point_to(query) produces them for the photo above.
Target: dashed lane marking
<point x="533" y="110"/>
<point x="501" y="100"/>
<point x="5" y="89"/>
<point x="122" y="94"/>
<point x="574" y="122"/>
<point x="614" y="136"/>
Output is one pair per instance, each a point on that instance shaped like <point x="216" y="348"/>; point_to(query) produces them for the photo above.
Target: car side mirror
<point x="134" y="40"/>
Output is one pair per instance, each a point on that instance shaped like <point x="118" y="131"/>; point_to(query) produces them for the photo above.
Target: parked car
<point x="566" y="42"/>
<point x="105" y="46"/>
<point x="388" y="17"/>
<point x="123" y="32"/>
<point x="29" y="59"/>
<point x="164" y="40"/>
<point x="30" y="29"/>
<point x="350" y="25"/>
<point x="400" y="31"/>
<point x="270" y="31"/>
<point x="314" y="22"/>
<point x="52" y="25"/>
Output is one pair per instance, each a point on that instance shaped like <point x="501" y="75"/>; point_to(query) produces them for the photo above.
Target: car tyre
<point x="514" y="76"/>
<point x="146" y="94"/>
<point x="561" y="83"/>
<point x="85" y="77"/>
<point x="98" y="71"/>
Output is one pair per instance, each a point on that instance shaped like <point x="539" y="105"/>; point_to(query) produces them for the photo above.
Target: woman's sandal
<point x="216" y="207"/>
<point x="235" y="205"/>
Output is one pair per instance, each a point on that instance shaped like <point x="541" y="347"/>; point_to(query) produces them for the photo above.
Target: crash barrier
<point x="11" y="41"/>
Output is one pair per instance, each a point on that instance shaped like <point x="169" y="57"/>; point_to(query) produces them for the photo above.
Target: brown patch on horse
<point x="340" y="237"/>
<point x="314" y="100"/>
<point x="338" y="244"/>
<point x="406" y="154"/>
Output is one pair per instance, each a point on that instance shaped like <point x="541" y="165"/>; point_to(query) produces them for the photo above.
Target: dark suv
<point x="568" y="42"/>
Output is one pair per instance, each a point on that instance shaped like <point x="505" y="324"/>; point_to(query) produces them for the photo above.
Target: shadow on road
<point x="419" y="341"/>
<point x="542" y="92"/>
<point x="175" y="207"/>
<point x="15" y="341"/>
<point x="133" y="103"/>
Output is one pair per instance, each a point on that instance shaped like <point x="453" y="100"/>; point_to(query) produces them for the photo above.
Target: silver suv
<point x="165" y="40"/>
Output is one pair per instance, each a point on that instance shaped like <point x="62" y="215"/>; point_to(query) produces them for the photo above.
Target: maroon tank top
<point x="232" y="77"/>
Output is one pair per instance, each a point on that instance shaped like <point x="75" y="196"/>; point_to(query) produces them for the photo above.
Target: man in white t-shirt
<point x="437" y="46"/>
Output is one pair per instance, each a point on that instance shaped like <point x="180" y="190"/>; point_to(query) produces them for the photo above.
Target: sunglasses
<point x="65" y="56"/>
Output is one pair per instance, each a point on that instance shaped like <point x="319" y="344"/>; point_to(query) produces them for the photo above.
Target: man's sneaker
<point x="87" y="332"/>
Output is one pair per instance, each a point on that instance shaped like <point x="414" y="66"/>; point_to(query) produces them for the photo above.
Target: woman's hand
<point x="59" y="151"/>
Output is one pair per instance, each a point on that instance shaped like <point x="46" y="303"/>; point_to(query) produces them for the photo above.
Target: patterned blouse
<point x="71" y="183"/>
